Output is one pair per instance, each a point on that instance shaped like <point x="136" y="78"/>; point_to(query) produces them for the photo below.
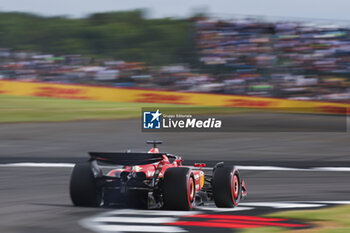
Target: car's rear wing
<point x="126" y="158"/>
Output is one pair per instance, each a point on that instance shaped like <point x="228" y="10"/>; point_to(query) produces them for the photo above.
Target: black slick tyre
<point x="83" y="186"/>
<point x="178" y="189"/>
<point x="227" y="187"/>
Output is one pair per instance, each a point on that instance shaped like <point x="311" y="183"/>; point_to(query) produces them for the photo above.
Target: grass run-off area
<point x="42" y="109"/>
<point x="327" y="220"/>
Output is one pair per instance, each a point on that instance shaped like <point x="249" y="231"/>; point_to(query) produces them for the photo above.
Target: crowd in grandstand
<point x="244" y="57"/>
<point x="294" y="60"/>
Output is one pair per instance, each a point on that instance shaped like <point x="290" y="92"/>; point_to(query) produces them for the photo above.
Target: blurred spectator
<point x="243" y="57"/>
<point x="282" y="59"/>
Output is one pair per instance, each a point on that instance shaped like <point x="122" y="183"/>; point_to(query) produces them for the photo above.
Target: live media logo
<point x="152" y="120"/>
<point x="156" y="120"/>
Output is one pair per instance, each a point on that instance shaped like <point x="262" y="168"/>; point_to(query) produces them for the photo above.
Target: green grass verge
<point x="327" y="220"/>
<point x="263" y="230"/>
<point x="41" y="109"/>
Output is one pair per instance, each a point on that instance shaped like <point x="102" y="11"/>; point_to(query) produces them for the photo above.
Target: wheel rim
<point x="235" y="187"/>
<point x="191" y="190"/>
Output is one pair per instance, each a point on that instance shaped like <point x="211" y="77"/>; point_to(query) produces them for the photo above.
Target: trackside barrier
<point x="102" y="93"/>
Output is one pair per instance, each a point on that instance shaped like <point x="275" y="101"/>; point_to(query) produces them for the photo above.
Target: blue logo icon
<point x="151" y="120"/>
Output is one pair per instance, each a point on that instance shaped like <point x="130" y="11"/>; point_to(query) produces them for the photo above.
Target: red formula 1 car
<point x="153" y="180"/>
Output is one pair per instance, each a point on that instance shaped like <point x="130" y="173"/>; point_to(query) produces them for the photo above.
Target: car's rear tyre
<point x="227" y="187"/>
<point x="179" y="189"/>
<point x="83" y="186"/>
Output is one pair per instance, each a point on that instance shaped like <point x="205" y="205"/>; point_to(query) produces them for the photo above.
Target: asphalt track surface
<point x="36" y="199"/>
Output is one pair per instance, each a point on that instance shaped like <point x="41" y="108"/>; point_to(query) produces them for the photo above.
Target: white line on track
<point x="268" y="168"/>
<point x="282" y="205"/>
<point x="240" y="167"/>
<point x="148" y="212"/>
<point x="135" y="219"/>
<point x="278" y="168"/>
<point x="332" y="169"/>
<point x="125" y="218"/>
<point x="130" y="220"/>
<point x="136" y="228"/>
<point x="216" y="209"/>
<point x="333" y="202"/>
<point x="29" y="164"/>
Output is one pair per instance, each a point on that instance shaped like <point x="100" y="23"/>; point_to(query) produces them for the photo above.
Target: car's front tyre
<point x="227" y="187"/>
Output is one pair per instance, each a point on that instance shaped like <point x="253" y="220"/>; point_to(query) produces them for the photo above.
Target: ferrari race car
<point x="153" y="180"/>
